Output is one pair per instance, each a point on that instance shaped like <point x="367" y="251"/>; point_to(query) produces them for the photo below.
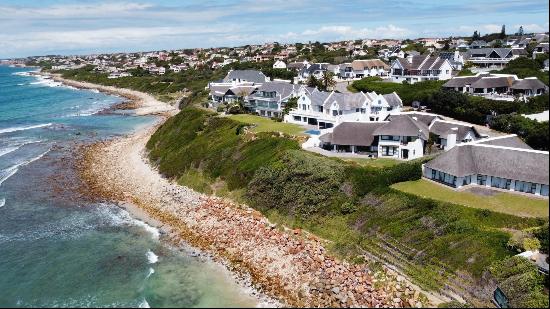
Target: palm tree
<point x="312" y="81"/>
<point x="328" y="80"/>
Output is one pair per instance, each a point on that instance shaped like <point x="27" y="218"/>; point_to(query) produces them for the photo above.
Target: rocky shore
<point x="289" y="265"/>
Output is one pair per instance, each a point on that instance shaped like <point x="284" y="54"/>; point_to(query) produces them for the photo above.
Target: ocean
<point x="58" y="248"/>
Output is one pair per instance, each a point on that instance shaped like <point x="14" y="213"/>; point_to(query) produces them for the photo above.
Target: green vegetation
<point x="374" y="162"/>
<point x="263" y="124"/>
<point x="472" y="109"/>
<point x="347" y="203"/>
<point x="508" y="203"/>
<point x="162" y="86"/>
<point x="532" y="132"/>
<point x="480" y="110"/>
<point x="526" y="67"/>
<point x="266" y="67"/>
<point x="521" y="282"/>
<point x="407" y="92"/>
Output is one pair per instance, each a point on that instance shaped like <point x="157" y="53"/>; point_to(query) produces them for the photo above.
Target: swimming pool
<point x="313" y="132"/>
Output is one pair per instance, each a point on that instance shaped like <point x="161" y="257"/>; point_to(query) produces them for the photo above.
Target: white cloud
<point x="532" y="28"/>
<point x="107" y="38"/>
<point x="347" y="32"/>
<point x="73" y="10"/>
<point x="493" y="28"/>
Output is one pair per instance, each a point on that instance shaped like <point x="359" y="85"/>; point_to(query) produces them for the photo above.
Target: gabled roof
<point x="360" y="65"/>
<point x="347" y="101"/>
<point x="404" y="125"/>
<point x="488" y="52"/>
<point x="425" y="118"/>
<point x="393" y="99"/>
<point x="512" y="141"/>
<point x="505" y="162"/>
<point x="314" y="67"/>
<point x="219" y="90"/>
<point x="241" y="90"/>
<point x="353" y="133"/>
<point x="422" y="62"/>
<point x="444" y="128"/>
<point x="247" y="75"/>
<point x="319" y="97"/>
<point x="283" y="90"/>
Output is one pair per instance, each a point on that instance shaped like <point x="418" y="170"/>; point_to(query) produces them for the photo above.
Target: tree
<point x="328" y="80"/>
<point x="475" y="36"/>
<point x="312" y="82"/>
<point x="503" y="32"/>
<point x="520" y="31"/>
<point x="290" y="104"/>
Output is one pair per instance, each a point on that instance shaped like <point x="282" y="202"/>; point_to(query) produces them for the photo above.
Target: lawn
<point x="509" y="203"/>
<point x="263" y="124"/>
<point x="378" y="162"/>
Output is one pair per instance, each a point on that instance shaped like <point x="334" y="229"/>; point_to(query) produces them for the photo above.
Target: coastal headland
<point x="290" y="265"/>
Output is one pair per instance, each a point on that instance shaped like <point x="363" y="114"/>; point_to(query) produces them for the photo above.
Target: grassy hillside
<point x="349" y="204"/>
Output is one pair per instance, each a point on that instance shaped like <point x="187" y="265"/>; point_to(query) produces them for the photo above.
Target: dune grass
<point x="509" y="203"/>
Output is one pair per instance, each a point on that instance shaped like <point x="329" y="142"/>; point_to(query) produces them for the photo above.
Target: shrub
<point x="531" y="244"/>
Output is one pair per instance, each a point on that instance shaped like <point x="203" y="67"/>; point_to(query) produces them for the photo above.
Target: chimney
<point x="410" y="58"/>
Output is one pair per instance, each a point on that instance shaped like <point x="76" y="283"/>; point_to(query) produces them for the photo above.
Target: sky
<point x="66" y="27"/>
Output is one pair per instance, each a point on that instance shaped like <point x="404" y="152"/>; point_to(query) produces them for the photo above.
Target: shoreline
<point x="139" y="102"/>
<point x="290" y="266"/>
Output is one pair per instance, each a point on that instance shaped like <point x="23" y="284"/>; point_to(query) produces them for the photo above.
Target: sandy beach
<point x="289" y="265"/>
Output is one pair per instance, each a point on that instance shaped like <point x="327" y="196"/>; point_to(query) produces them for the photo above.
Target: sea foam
<point x="152" y="258"/>
<point x="144" y="304"/>
<point x="12" y="170"/>
<point x="10" y="149"/>
<point x="15" y="129"/>
<point x="2" y="202"/>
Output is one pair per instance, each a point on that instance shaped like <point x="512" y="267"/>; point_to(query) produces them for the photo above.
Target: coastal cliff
<point x="352" y="212"/>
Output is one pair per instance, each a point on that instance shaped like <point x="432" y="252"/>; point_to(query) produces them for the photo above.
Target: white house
<point x="403" y="138"/>
<point x="270" y="98"/>
<point x="279" y="64"/>
<point x="326" y="109"/>
<point x="455" y="58"/>
<point x="420" y="68"/>
<point x="316" y="69"/>
<point x="492" y="57"/>
<point x="363" y="68"/>
<point x="497" y="86"/>
<point x="235" y="85"/>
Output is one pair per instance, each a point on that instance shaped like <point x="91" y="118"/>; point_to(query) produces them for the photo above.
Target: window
<point x="482" y="179"/>
<point x="533" y="188"/>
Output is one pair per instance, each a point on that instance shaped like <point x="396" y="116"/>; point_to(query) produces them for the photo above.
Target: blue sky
<point x="84" y="27"/>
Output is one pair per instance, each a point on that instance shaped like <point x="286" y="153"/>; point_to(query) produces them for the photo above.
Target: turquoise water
<point x="58" y="249"/>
